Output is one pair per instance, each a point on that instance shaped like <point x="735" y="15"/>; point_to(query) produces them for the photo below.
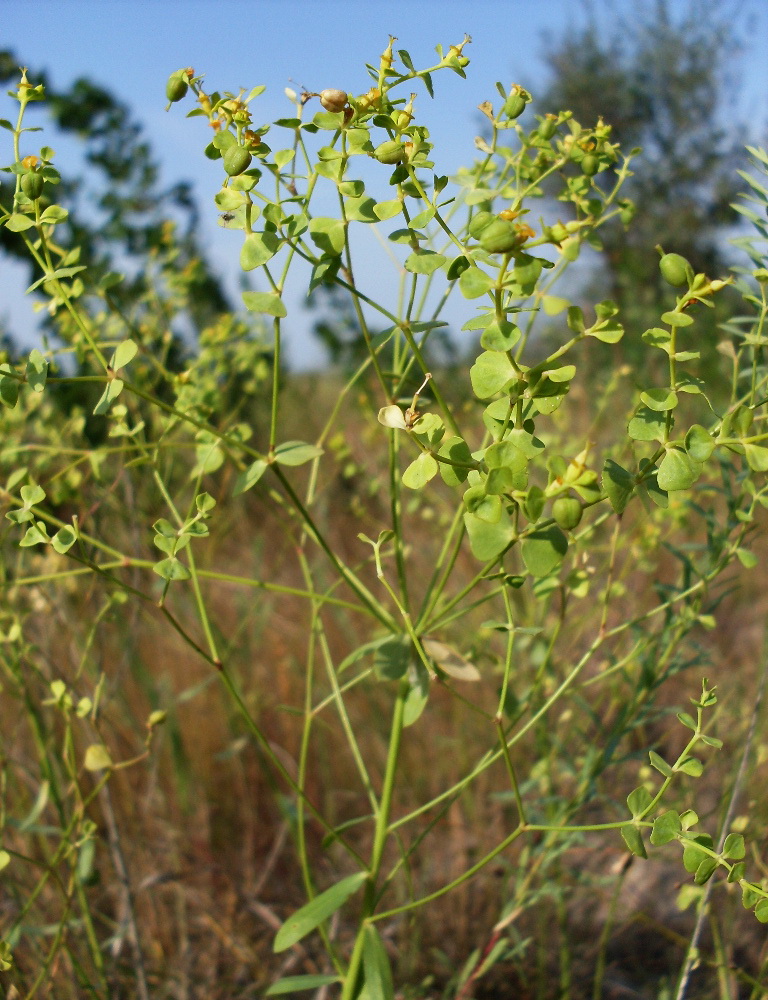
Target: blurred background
<point x="685" y="80"/>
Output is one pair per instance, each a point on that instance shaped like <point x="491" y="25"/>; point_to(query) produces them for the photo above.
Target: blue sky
<point x="131" y="46"/>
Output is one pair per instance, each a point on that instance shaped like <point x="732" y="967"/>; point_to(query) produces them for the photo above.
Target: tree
<point x="131" y="221"/>
<point x="662" y="84"/>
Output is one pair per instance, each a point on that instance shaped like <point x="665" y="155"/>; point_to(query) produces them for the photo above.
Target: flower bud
<point x="567" y="512"/>
<point x="333" y="100"/>
<point x="236" y="160"/>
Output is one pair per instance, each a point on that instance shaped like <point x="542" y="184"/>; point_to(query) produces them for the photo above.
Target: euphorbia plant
<point x="538" y="522"/>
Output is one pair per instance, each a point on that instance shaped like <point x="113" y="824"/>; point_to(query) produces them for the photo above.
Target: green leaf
<point x="658" y="337"/>
<point x="424" y="262"/>
<point x="268" y="303"/>
<point x="295" y="984"/>
<point x="646" y="425"/>
<point x="474" y="282"/>
<point x="420" y="471"/>
<point x="659" y="399"/>
<point x="392" y="657"/>
<point x="761" y="911"/>
<point x="660" y="764"/>
<point x="700" y="444"/>
<point x="691" y="766"/>
<point x="500" y="336"/>
<point x="296" y="453"/>
<point x="553" y="305"/>
<point x="757" y="457"/>
<point x="32" y="494"/>
<point x="634" y="840"/>
<point x="544" y="550"/>
<point x="488" y="540"/>
<point x="638" y="801"/>
<point x="416" y="699"/>
<point x="678" y="471"/>
<point x="734" y="847"/>
<point x="305" y="920"/>
<point x="328" y="234"/>
<point x="457" y="450"/>
<point x="705" y="871"/>
<point x="36" y="534"/>
<point x="258" y="248"/>
<point x="112" y="390"/>
<point x="5" y="859"/>
<point x="676" y="319"/>
<point x="125" y="352"/>
<point x="747" y="559"/>
<point x="37" y="371"/>
<point x="250" y="476"/>
<point x="423" y="218"/>
<point x="665" y="828"/>
<point x="738" y="872"/>
<point x="388" y="209"/>
<point x="18" y="223"/>
<point x="97" y="758"/>
<point x="54" y="214"/>
<point x="361" y="209"/>
<point x="64" y="539"/>
<point x="9" y="388"/>
<point x="376" y="968"/>
<point x="171" y="569"/>
<point x="618" y="485"/>
<point x="491" y="373"/>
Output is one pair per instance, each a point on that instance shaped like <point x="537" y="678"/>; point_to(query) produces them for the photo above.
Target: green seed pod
<point x="390" y="152"/>
<point x="500" y="236"/>
<point x="32" y="185"/>
<point x="590" y="165"/>
<point x="567" y="512"/>
<point x="236" y="160"/>
<point x="515" y="103"/>
<point x="674" y="269"/>
<point x="479" y="223"/>
<point x="547" y="128"/>
<point x="177" y="86"/>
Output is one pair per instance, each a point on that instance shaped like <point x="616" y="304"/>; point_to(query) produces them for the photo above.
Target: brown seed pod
<point x="333" y="100"/>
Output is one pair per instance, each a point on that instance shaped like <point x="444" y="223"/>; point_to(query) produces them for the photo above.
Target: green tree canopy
<point x="664" y="85"/>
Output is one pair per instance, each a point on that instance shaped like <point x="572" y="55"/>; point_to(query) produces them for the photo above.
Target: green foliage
<point x="496" y="506"/>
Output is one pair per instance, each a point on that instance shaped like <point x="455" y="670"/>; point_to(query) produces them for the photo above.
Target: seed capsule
<point x="32" y="185"/>
<point x="590" y="165"/>
<point x="480" y="222"/>
<point x="177" y="86"/>
<point x="333" y="100"/>
<point x="674" y="268"/>
<point x="390" y="152"/>
<point x="236" y="160"/>
<point x="500" y="236"/>
<point x="567" y="512"/>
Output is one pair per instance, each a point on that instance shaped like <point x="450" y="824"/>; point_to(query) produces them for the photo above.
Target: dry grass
<point x="205" y="830"/>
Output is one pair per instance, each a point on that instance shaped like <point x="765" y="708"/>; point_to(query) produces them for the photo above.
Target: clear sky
<point x="131" y="46"/>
